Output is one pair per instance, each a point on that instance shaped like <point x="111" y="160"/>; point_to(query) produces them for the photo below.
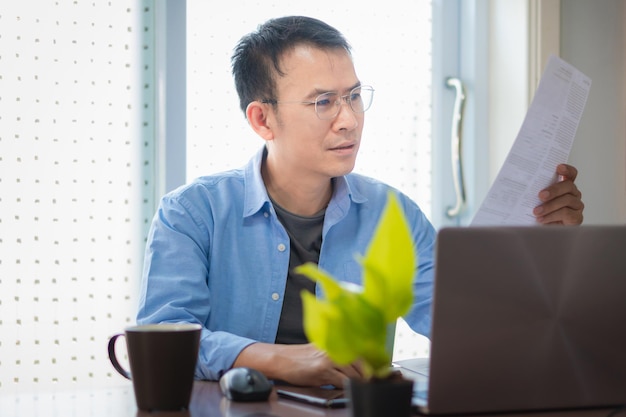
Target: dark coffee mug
<point x="162" y="361"/>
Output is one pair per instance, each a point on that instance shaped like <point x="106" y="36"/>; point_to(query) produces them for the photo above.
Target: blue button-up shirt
<point x="217" y="255"/>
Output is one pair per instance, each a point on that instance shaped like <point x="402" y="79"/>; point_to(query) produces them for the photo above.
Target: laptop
<point x="525" y="318"/>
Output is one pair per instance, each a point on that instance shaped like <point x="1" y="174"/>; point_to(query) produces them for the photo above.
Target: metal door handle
<point x="456" y="147"/>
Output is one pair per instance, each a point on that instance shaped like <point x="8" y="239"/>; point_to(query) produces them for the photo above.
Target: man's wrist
<point x="264" y="357"/>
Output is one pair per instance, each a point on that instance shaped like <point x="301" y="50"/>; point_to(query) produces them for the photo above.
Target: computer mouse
<point x="245" y="384"/>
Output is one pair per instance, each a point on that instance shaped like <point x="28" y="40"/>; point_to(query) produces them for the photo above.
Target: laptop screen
<point x="528" y="318"/>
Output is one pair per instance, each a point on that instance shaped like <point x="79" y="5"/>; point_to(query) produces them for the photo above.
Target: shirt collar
<point x="255" y="193"/>
<point x="256" y="197"/>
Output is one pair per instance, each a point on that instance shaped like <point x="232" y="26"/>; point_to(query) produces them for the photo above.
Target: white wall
<point x="593" y="39"/>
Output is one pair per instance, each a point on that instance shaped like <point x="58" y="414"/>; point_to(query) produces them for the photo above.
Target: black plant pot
<point x="380" y="397"/>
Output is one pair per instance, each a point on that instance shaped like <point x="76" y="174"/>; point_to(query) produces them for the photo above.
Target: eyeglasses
<point x="327" y="105"/>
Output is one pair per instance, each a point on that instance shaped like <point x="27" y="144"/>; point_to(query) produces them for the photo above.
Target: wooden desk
<point x="207" y="400"/>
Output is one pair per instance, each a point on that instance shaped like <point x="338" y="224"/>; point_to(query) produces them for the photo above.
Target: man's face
<point x="303" y="145"/>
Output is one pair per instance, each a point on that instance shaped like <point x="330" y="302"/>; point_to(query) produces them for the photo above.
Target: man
<point x="221" y="249"/>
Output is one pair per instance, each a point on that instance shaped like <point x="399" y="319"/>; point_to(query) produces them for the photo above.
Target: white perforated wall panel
<point x="75" y="184"/>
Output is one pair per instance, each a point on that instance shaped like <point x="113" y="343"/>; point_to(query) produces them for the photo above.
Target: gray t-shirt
<point x="305" y="236"/>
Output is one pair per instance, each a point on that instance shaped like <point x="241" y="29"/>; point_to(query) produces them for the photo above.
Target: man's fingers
<point x="567" y="171"/>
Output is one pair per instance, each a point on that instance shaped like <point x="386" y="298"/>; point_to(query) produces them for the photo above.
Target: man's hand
<point x="562" y="201"/>
<point x="296" y="364"/>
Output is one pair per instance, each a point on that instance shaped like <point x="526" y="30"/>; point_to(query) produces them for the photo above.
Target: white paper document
<point x="544" y="141"/>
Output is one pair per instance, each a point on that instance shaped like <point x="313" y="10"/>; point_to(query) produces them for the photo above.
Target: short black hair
<point x="256" y="58"/>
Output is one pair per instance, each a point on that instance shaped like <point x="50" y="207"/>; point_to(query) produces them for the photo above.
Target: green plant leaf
<point x="347" y="329"/>
<point x="351" y="325"/>
<point x="389" y="263"/>
<point x="320" y="318"/>
<point x="332" y="289"/>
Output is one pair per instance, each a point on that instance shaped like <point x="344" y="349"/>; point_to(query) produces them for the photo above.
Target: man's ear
<point x="257" y="114"/>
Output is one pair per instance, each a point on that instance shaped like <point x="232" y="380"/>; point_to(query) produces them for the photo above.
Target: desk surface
<point x="207" y="400"/>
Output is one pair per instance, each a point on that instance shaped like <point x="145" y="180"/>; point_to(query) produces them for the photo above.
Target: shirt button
<point x="275" y="296"/>
<point x="282" y="247"/>
<point x="266" y="214"/>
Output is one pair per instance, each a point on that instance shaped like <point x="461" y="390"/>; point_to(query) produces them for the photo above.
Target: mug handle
<point x="119" y="368"/>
